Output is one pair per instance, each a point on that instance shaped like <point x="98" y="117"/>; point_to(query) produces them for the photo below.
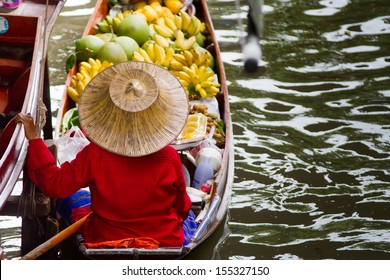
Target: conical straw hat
<point x="133" y="108"/>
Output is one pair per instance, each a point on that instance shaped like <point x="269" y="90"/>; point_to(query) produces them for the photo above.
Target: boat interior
<point x="16" y="57"/>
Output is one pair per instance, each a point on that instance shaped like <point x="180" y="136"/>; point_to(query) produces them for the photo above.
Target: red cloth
<point x="130" y="196"/>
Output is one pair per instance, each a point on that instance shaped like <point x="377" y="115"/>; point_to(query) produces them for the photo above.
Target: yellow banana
<point x="178" y="21"/>
<point x="175" y="65"/>
<point x="105" y="64"/>
<point x="79" y="76"/>
<point x="184" y="76"/>
<point x="184" y="83"/>
<point x="188" y="57"/>
<point x="190" y="71"/>
<point x="192" y="27"/>
<point x="161" y="21"/>
<point x="82" y="68"/>
<point x="159" y="54"/>
<point x="74" y="81"/>
<point x="202" y="27"/>
<point x="120" y="16"/>
<point x="206" y="84"/>
<point x="197" y="23"/>
<point x="163" y="31"/>
<point x="84" y="73"/>
<point x="86" y="65"/>
<point x="85" y="81"/>
<point x="206" y="75"/>
<point x="180" y="58"/>
<point x="194" y="73"/>
<point x="170" y="23"/>
<point x="92" y="62"/>
<point x="116" y="23"/>
<point x="73" y="94"/>
<point x="201" y="72"/>
<point x="98" y="63"/>
<point x="203" y="93"/>
<point x="186" y="20"/>
<point x="80" y="87"/>
<point x="198" y="87"/>
<point x="160" y="40"/>
<point x="212" y="90"/>
<point x="179" y="38"/>
<point x="169" y="52"/>
<point x="150" y="52"/>
<point x="109" y="19"/>
<point x="188" y="43"/>
<point x="145" y="55"/>
<point x="196" y="55"/>
<point x="137" y="56"/>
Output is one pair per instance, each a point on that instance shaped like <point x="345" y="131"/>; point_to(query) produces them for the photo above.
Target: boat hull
<point x="22" y="78"/>
<point x="220" y="195"/>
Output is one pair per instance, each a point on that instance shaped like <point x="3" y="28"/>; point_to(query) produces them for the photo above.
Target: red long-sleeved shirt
<point x="130" y="196"/>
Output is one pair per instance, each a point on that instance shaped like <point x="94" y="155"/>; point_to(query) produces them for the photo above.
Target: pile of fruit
<point x="156" y="31"/>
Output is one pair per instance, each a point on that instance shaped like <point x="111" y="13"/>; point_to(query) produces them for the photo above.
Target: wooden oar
<point x="55" y="240"/>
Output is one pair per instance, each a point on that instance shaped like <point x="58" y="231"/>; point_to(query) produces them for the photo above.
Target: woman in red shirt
<point x="130" y="112"/>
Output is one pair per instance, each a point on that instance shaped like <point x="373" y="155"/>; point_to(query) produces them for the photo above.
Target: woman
<point x="130" y="112"/>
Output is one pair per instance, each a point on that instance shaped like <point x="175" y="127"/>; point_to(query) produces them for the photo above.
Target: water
<point x="311" y="127"/>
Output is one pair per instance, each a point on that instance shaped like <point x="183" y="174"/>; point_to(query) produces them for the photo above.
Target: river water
<point x="311" y="128"/>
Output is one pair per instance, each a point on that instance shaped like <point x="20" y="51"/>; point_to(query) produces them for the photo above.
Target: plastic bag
<point x="69" y="144"/>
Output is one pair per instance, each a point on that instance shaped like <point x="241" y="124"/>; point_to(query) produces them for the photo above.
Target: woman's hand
<point x="29" y="126"/>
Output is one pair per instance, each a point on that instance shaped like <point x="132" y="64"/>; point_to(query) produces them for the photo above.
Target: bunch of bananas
<point x="189" y="24"/>
<point x="110" y="24"/>
<point x="86" y="71"/>
<point x="181" y="42"/>
<point x="152" y="10"/>
<point x="164" y="27"/>
<point x="156" y="54"/>
<point x="189" y="57"/>
<point x="198" y="81"/>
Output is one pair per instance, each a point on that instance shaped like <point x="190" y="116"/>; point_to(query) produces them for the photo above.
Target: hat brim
<point x="133" y="133"/>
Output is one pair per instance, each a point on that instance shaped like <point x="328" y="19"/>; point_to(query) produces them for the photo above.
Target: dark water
<point x="311" y="127"/>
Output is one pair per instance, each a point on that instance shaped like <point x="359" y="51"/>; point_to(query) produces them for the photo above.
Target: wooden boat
<point x="215" y="210"/>
<point x="23" y="44"/>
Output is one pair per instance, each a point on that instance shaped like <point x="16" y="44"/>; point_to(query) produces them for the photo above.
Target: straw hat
<point x="133" y="108"/>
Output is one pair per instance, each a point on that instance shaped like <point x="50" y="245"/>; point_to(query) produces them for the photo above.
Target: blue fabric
<point x="189" y="227"/>
<point x="79" y="199"/>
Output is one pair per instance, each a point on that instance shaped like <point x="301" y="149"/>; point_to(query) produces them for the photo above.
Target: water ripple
<point x="299" y="89"/>
<point x="375" y="26"/>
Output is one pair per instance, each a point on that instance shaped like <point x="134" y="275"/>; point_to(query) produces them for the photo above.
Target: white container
<point x="213" y="154"/>
<point x="203" y="172"/>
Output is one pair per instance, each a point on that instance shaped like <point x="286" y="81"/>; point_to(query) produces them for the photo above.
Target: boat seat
<point x="6" y="135"/>
<point x="17" y="92"/>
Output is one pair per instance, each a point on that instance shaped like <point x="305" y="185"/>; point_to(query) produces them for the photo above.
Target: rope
<point x="41" y="108"/>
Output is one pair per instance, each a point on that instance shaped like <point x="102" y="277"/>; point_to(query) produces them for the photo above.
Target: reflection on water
<point x="312" y="131"/>
<point x="312" y="134"/>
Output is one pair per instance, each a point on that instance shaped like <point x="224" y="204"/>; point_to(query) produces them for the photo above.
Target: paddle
<point x="55" y="240"/>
